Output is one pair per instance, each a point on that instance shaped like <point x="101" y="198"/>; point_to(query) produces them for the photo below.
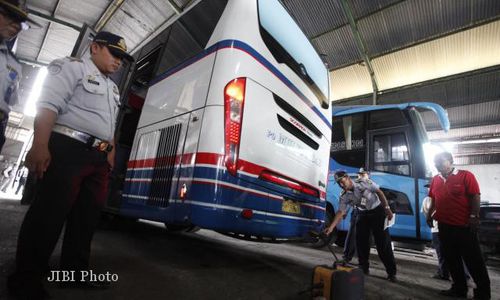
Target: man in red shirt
<point x="455" y="205"/>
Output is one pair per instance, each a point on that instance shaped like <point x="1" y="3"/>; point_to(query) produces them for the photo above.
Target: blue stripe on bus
<point x="136" y="186"/>
<point x="257" y="56"/>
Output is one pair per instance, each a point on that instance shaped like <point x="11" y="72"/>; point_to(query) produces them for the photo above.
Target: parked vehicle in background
<point x="390" y="141"/>
<point x="489" y="229"/>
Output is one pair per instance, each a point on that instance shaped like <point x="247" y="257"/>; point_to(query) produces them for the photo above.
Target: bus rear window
<point x="290" y="46"/>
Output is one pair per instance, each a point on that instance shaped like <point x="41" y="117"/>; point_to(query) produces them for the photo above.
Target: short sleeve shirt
<point x="363" y="196"/>
<point x="452" y="196"/>
<point x="10" y="75"/>
<point x="83" y="98"/>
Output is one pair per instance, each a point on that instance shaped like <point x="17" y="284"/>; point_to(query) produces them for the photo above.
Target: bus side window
<point x="390" y="154"/>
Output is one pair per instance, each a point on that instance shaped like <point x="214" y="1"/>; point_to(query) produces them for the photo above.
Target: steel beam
<point x="53" y="19"/>
<point x="361" y="47"/>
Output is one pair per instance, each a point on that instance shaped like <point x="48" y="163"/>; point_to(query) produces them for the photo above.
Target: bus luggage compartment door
<point x="154" y="169"/>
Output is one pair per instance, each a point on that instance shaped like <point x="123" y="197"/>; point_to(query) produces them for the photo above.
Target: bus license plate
<point x="292" y="207"/>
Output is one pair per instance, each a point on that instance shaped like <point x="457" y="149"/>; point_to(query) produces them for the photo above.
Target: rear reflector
<point x="290" y="183"/>
<point x="247" y="213"/>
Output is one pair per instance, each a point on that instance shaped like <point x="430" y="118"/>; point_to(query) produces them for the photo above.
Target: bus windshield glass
<point x="290" y="46"/>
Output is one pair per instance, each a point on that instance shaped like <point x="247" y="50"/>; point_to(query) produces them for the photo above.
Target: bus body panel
<point x="230" y="194"/>
<point x="184" y="91"/>
<point x="246" y="55"/>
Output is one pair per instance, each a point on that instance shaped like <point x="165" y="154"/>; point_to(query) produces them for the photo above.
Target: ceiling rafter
<point x="58" y="4"/>
<point x="361" y="47"/>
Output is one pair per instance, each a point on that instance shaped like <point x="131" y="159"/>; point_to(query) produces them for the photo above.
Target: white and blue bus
<point x="390" y="141"/>
<point x="228" y="125"/>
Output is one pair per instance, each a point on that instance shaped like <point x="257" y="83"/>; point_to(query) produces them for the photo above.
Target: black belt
<point x="89" y="140"/>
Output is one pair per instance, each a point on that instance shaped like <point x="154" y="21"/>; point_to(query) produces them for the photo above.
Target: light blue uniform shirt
<point x="363" y="196"/>
<point x="83" y="98"/>
<point x="10" y="74"/>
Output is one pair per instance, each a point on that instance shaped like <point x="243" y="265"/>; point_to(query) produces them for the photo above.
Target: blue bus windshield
<point x="278" y="23"/>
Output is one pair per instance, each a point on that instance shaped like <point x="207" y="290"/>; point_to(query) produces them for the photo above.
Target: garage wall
<point x="488" y="177"/>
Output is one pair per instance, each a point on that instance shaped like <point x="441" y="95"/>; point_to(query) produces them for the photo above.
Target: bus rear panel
<point x="231" y="140"/>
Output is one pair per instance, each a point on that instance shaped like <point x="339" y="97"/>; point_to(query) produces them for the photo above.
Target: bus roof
<point x="440" y="112"/>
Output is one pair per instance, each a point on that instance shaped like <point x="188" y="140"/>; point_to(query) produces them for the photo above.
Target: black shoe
<point x="392" y="278"/>
<point x="85" y="285"/>
<point x="478" y="296"/>
<point x="25" y="289"/>
<point x="453" y="293"/>
<point x="440" y="277"/>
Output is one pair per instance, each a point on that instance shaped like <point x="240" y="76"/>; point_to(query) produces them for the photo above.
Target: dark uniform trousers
<point x="458" y="243"/>
<point x="4" y="118"/>
<point x="72" y="191"/>
<point x="373" y="221"/>
<point x="350" y="239"/>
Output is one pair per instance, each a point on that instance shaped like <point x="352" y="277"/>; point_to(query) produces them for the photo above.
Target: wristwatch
<point x="387" y="207"/>
<point x="473" y="216"/>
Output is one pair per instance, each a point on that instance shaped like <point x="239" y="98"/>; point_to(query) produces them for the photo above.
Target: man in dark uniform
<point x="71" y="156"/>
<point x="455" y="202"/>
<point x="373" y="209"/>
<point x="13" y="18"/>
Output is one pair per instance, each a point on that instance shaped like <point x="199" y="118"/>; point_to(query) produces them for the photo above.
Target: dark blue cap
<point x="115" y="43"/>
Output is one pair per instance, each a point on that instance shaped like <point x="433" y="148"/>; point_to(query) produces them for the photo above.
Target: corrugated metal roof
<point x="362" y="8"/>
<point x="61" y="40"/>
<point x="486" y="113"/>
<point x="316" y="17"/>
<point x="461" y="52"/>
<point x="45" y="5"/>
<point x="487" y="131"/>
<point x="337" y="47"/>
<point x="87" y="11"/>
<point x="386" y="26"/>
<point x="345" y="81"/>
<point x="137" y="19"/>
<point x="30" y="41"/>
<point x="454" y="54"/>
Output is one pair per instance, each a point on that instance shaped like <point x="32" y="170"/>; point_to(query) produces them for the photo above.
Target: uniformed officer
<point x="13" y="18"/>
<point x="371" y="204"/>
<point x="350" y="239"/>
<point x="71" y="156"/>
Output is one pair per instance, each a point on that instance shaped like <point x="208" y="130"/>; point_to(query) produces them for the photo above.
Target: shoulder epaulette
<point x="72" y="58"/>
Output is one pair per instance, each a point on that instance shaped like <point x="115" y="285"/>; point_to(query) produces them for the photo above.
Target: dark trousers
<point x="460" y="243"/>
<point x="350" y="239"/>
<point x="3" y="126"/>
<point x="22" y="182"/>
<point x="373" y="221"/>
<point x="436" y="244"/>
<point x="72" y="192"/>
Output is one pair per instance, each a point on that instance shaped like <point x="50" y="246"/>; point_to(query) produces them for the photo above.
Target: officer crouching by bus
<point x="71" y="156"/>
<point x="372" y="206"/>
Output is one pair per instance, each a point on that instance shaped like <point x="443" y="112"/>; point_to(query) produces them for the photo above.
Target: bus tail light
<point x="290" y="183"/>
<point x="234" y="98"/>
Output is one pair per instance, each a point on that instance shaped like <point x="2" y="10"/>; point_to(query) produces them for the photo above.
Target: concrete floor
<point x="152" y="264"/>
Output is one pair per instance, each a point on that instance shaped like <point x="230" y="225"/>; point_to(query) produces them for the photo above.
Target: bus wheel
<point x="174" y="228"/>
<point x="321" y="242"/>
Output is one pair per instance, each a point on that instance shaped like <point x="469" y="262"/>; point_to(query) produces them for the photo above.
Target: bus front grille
<point x="164" y="166"/>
